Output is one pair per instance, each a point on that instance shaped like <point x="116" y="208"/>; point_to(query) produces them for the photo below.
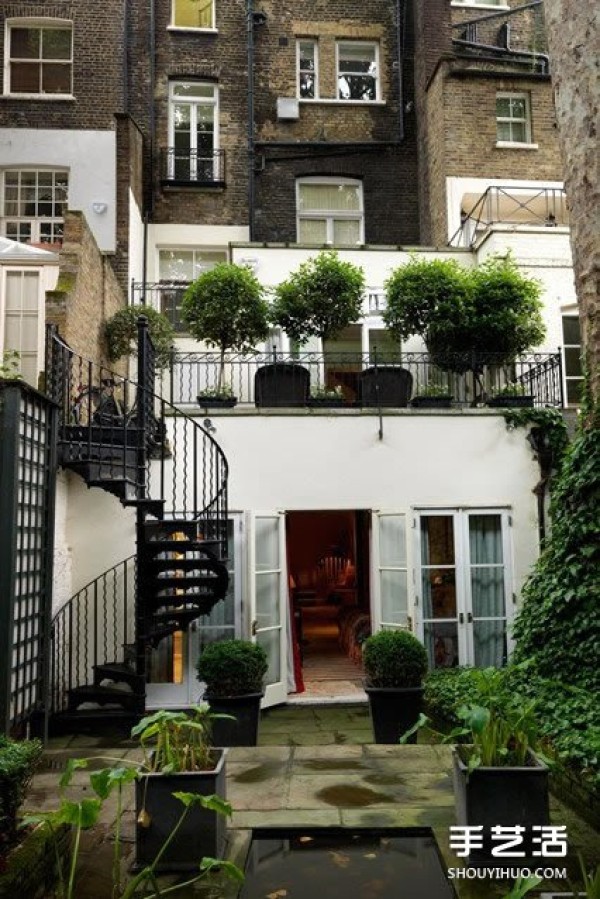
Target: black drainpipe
<point x="151" y="126"/>
<point x="250" y="26"/>
<point x="399" y="60"/>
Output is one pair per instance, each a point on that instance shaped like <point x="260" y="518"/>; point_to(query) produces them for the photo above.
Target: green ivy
<point x="550" y="421"/>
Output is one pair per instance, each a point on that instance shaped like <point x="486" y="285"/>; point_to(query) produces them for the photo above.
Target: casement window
<point x="572" y="359"/>
<point x="193" y="14"/>
<point x="513" y="119"/>
<point x="39" y="57"/>
<point x="33" y="204"/>
<point x="193" y="132"/>
<point x="21" y="326"/>
<point x="308" y="69"/>
<point x="179" y="264"/>
<point x="330" y="211"/>
<point x="358" y="71"/>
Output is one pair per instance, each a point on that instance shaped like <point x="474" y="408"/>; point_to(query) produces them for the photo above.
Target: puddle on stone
<point x="333" y="764"/>
<point x="257" y="774"/>
<point x="383" y="779"/>
<point x="349" y="796"/>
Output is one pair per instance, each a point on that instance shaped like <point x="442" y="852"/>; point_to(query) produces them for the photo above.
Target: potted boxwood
<point x="233" y="672"/>
<point x="225" y="307"/>
<point x="217" y="398"/>
<point x="178" y="757"/>
<point x="395" y="664"/>
<point x="498" y="778"/>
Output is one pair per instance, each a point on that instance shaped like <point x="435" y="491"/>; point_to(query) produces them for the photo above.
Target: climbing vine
<point x="550" y="421"/>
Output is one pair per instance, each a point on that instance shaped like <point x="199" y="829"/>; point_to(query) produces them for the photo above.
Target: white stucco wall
<point x="90" y="157"/>
<point x="61" y="585"/>
<point x="136" y="241"/>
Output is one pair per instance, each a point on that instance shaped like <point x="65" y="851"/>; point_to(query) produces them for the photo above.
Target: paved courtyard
<point x="316" y="766"/>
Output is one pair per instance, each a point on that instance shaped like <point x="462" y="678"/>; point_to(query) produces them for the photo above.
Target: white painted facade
<point x="90" y="159"/>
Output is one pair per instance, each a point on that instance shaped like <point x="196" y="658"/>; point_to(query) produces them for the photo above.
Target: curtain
<point x="487" y="590"/>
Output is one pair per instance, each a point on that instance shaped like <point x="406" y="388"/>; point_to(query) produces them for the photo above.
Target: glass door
<point x="487" y="600"/>
<point x="193" y="132"/>
<point x="268" y="598"/>
<point x="437" y="593"/>
<point x="389" y="598"/>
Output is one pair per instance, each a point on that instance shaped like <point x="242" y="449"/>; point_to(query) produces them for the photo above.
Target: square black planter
<point x="501" y="796"/>
<point x="215" y="402"/>
<point x="246" y="711"/>
<point x="443" y="401"/>
<point x="323" y="402"/>
<point x="203" y="832"/>
<point x="394" y="710"/>
<point x="511" y="402"/>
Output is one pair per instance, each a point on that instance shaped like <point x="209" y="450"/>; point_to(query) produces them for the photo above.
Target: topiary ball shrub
<point x="18" y="761"/>
<point x="394" y="659"/>
<point x="232" y="668"/>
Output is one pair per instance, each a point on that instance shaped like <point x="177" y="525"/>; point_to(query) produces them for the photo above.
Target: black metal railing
<point x="545" y="206"/>
<point x="96" y="626"/>
<point x="339" y="378"/>
<point x="165" y="296"/>
<point x="201" y="167"/>
<point x="515" y="35"/>
<point x="27" y="494"/>
<point x="136" y="439"/>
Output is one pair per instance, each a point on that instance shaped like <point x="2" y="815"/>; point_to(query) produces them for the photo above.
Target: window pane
<point x="571" y="329"/>
<point x="25" y="78"/>
<point x="485" y="539"/>
<point x="56" y="43"/>
<point x="332" y="197"/>
<point x="193" y="13"/>
<point x="489" y="644"/>
<point x="487" y="590"/>
<point x="394" y="597"/>
<point x="517" y="107"/>
<point x="441" y="643"/>
<point x="25" y="43"/>
<point x="346" y="233"/>
<point x="437" y="540"/>
<point x="194" y="90"/>
<point x="267" y="544"/>
<point x="270" y="642"/>
<point x="392" y="541"/>
<point x="574" y="392"/>
<point x="518" y="132"/>
<point x="176" y="265"/>
<point x="439" y="593"/>
<point x="267" y="600"/>
<point x="572" y="362"/>
<point x="312" y="231"/>
<point x="357" y="72"/>
<point x="306" y="63"/>
<point x="56" y="78"/>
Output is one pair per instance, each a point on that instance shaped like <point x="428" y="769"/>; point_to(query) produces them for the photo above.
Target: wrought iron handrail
<point x="470" y="378"/>
<point x="135" y="437"/>
<point x="166" y="296"/>
<point x="188" y="166"/>
<point x="95" y="626"/>
<point x="511" y="206"/>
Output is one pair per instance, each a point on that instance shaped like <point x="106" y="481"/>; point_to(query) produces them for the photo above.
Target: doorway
<point x="328" y="571"/>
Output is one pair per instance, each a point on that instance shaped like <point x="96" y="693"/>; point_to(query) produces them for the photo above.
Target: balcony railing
<point x="530" y="206"/>
<point x="472" y="381"/>
<point x="164" y="296"/>
<point x="193" y="167"/>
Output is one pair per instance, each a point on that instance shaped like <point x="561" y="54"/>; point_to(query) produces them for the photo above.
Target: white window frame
<point x="315" y="45"/>
<point x="174" y="100"/>
<point x="188" y="249"/>
<point x="570" y="346"/>
<point x="174" y="27"/>
<point x="331" y="215"/>
<point x="36" y="23"/>
<point x="345" y="42"/>
<point x="38" y="353"/>
<point x="34" y="221"/>
<point x="515" y="95"/>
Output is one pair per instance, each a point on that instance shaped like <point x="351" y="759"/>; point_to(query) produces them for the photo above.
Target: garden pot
<point x="394" y="710"/>
<point x="511" y="402"/>
<point x="203" y="831"/>
<point x="246" y="711"/>
<point x="323" y="402"/>
<point x="281" y="384"/>
<point x="432" y="402"/>
<point x="216" y="402"/>
<point x="501" y="796"/>
<point x="385" y="386"/>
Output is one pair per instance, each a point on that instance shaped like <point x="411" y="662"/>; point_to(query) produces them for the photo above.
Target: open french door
<point x="389" y="572"/>
<point x="268" y="597"/>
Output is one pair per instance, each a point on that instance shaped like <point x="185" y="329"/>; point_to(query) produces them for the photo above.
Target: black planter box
<point x="323" y="402"/>
<point x="511" y="402"/>
<point x="394" y="710"/>
<point x="246" y="711"/>
<point x="501" y="796"/>
<point x="432" y="402"/>
<point x="203" y="832"/>
<point x="216" y="402"/>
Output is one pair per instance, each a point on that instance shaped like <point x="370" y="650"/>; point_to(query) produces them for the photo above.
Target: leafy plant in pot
<point x="395" y="664"/>
<point x="178" y="757"/>
<point x="233" y="672"/>
<point x="498" y="779"/>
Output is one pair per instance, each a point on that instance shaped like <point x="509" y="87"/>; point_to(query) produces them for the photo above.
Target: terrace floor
<point x="315" y="766"/>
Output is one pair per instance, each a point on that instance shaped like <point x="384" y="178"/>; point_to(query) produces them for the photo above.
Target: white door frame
<point x="397" y="568"/>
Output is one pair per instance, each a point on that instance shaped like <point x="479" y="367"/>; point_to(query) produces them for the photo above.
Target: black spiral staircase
<point x="120" y="436"/>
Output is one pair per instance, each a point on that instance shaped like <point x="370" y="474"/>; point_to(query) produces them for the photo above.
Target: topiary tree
<point x="321" y="299"/>
<point x="120" y="333"/>
<point x="226" y="308"/>
<point x="394" y="659"/>
<point x="463" y="313"/>
<point x="232" y="668"/>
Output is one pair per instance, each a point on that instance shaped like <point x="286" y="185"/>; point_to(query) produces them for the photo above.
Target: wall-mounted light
<point x="250" y="262"/>
<point x="99" y="208"/>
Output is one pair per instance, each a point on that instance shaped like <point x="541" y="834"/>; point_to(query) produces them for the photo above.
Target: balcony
<point x="164" y="296"/>
<point x="340" y="379"/>
<point x="192" y="168"/>
<point x="516" y="206"/>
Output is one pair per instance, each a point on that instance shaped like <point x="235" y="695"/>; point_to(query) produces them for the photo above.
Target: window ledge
<point x="192" y="30"/>
<point x="316" y="100"/>
<point x="514" y="145"/>
<point x="52" y="97"/>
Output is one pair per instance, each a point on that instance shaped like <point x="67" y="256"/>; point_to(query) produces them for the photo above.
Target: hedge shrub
<point x="18" y="761"/>
<point x="394" y="659"/>
<point x="232" y="668"/>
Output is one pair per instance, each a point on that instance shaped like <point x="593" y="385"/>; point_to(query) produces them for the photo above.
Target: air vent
<point x="287" y="108"/>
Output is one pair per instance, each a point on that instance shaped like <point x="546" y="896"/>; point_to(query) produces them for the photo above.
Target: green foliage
<point x="394" y="659"/>
<point x="523" y="886"/>
<point x="558" y="625"/>
<point x="225" y="307"/>
<point x="321" y="299"/>
<point x="18" y="761"/>
<point x="10" y="366"/>
<point x="568" y="718"/>
<point x="460" y="311"/>
<point x="551" y="422"/>
<point x="177" y="741"/>
<point x="120" y="333"/>
<point x="232" y="668"/>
